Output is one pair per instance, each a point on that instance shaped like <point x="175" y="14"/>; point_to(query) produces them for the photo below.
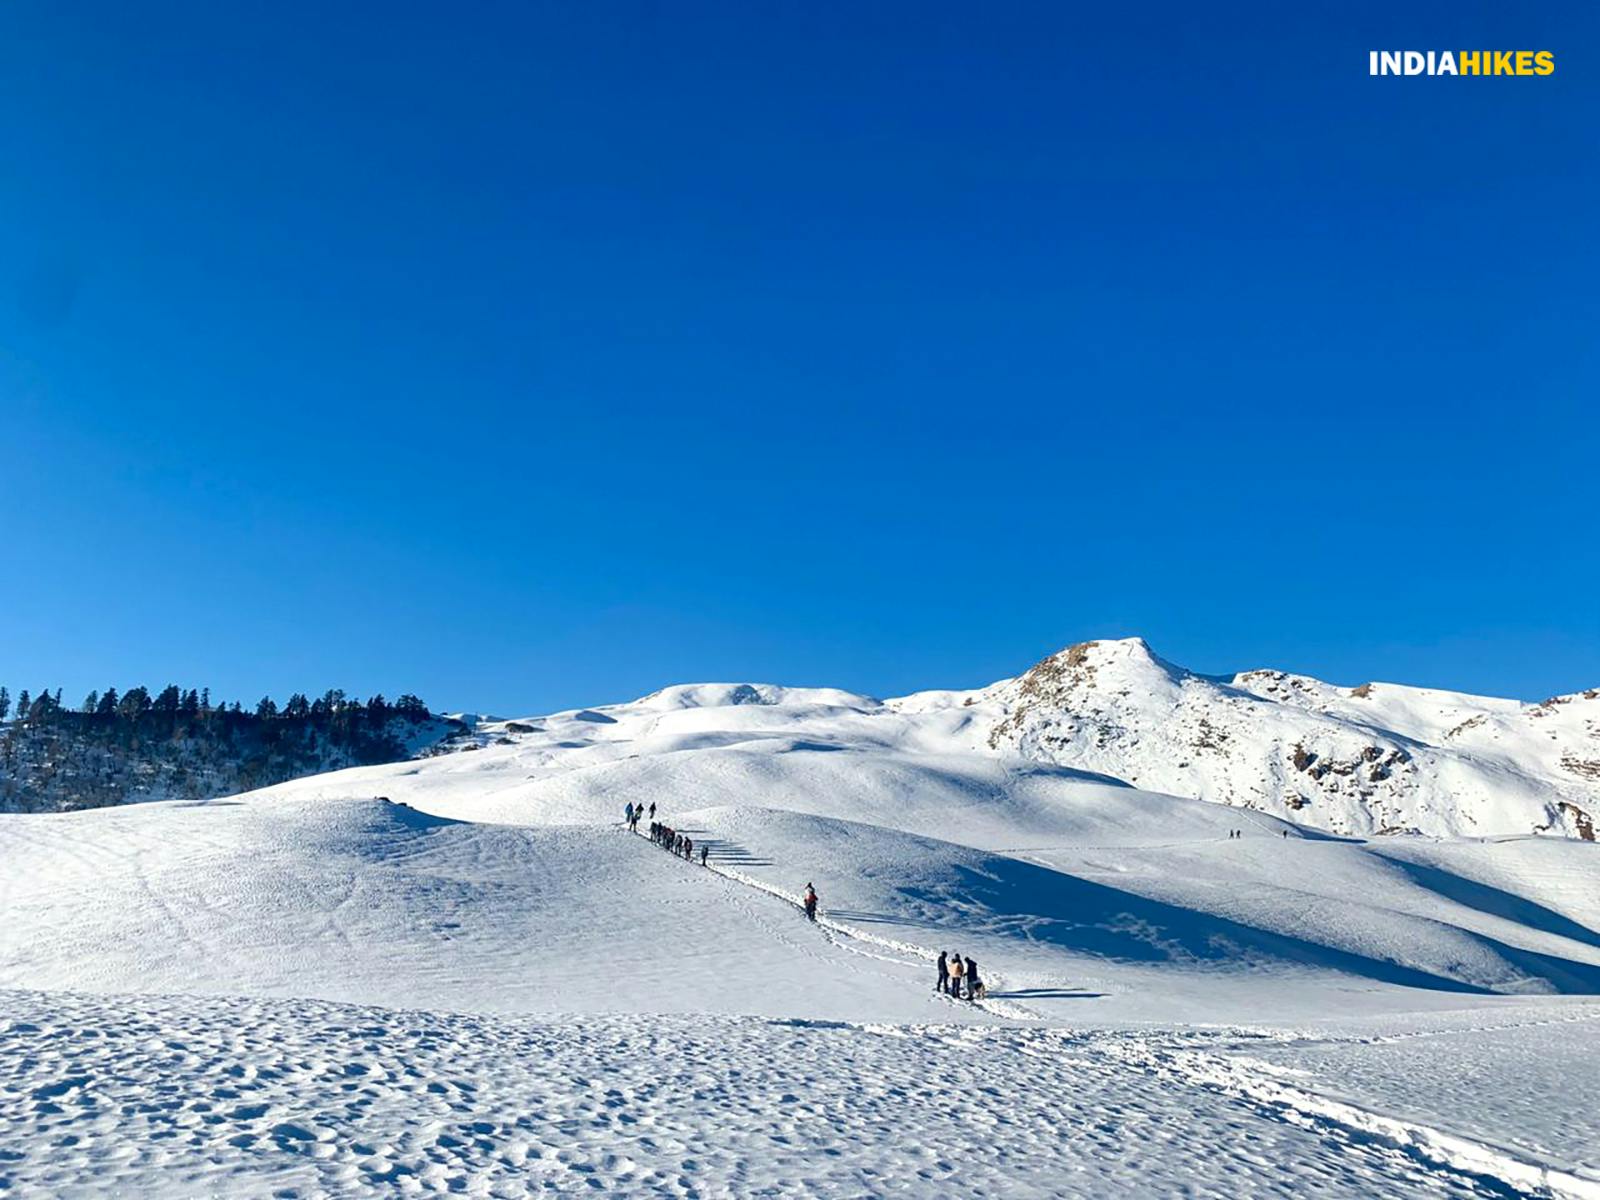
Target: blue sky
<point x="531" y="355"/>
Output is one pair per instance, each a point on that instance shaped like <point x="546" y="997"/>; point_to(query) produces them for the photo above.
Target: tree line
<point x="137" y="704"/>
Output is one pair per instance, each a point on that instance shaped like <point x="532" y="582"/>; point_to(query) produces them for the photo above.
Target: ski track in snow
<point x="184" y="1096"/>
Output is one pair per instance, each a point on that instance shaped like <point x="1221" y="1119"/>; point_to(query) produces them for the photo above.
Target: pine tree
<point x="43" y="708"/>
<point x="90" y="702"/>
<point x="108" y="703"/>
<point x="266" y="708"/>
<point x="24" y="703"/>
<point x="191" y="703"/>
<point x="168" y="700"/>
<point x="135" y="702"/>
<point x="5" y="703"/>
<point x="205" y="700"/>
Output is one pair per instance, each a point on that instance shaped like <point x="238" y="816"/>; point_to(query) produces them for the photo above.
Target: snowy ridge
<point x="462" y="972"/>
<point x="1378" y="758"/>
<point x="1375" y="759"/>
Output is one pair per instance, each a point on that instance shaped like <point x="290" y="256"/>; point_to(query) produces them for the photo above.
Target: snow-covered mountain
<point x="462" y="973"/>
<point x="1378" y="758"/>
<point x="1375" y="759"/>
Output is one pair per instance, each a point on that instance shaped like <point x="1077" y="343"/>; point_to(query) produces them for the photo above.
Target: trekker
<point x="973" y="982"/>
<point x="652" y="810"/>
<point x="944" y="974"/>
<point x="956" y="971"/>
<point x="703" y="849"/>
<point x="688" y="847"/>
<point x="627" y="813"/>
<point x="810" y="901"/>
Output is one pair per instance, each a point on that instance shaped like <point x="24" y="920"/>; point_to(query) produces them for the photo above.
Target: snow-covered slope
<point x="222" y="997"/>
<point x="1376" y="758"/>
<point x="1049" y="873"/>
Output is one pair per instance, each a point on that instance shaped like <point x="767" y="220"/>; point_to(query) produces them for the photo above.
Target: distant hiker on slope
<point x="974" y="984"/>
<point x="956" y="971"/>
<point x="810" y="903"/>
<point x="703" y="849"/>
<point x="627" y="813"/>
<point x="652" y="810"/>
<point x="688" y="847"/>
<point x="944" y="973"/>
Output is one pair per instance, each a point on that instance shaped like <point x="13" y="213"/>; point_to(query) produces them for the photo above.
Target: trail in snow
<point x="905" y="954"/>
<point x="173" y="1097"/>
<point x="671" y="1030"/>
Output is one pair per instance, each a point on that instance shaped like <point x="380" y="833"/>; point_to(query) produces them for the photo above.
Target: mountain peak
<point x="1086" y="660"/>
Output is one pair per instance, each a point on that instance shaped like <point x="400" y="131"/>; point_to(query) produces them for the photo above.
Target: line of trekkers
<point x="662" y="835"/>
<point x="958" y="977"/>
<point x="682" y="845"/>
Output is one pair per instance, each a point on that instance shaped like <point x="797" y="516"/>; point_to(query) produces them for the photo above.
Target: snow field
<point x="461" y="974"/>
<point x="174" y="1097"/>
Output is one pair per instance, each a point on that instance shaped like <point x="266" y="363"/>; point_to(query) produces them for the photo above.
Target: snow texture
<point x="462" y="974"/>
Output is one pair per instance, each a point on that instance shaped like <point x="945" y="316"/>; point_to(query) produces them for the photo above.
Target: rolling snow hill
<point x="1375" y="759"/>
<point x="461" y="973"/>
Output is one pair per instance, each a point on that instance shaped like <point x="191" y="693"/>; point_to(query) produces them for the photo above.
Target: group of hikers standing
<point x="662" y="834"/>
<point x="953" y="972"/>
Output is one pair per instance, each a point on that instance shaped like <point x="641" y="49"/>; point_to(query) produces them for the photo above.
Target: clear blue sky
<point x="531" y="355"/>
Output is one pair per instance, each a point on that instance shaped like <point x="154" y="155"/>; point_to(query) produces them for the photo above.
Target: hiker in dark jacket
<point x="944" y="973"/>
<point x="973" y="982"/>
<point x="810" y="903"/>
<point x="703" y="849"/>
<point x="688" y="847"/>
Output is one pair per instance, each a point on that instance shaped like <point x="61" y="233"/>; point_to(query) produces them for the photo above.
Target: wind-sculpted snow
<point x="464" y="973"/>
<point x="177" y="1097"/>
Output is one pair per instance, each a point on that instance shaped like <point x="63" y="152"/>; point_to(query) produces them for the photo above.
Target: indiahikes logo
<point x="1461" y="62"/>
